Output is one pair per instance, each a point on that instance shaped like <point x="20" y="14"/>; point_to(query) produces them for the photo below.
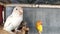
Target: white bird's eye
<point x="16" y="9"/>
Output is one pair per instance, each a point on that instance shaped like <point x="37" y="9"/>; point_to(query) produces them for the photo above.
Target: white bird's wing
<point x="16" y="21"/>
<point x="8" y="21"/>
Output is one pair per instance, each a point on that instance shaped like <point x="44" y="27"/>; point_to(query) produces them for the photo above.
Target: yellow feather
<point x="39" y="27"/>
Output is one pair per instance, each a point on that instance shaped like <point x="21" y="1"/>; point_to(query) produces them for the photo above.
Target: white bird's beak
<point x="21" y="13"/>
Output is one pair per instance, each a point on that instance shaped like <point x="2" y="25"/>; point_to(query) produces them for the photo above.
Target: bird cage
<point x="48" y="14"/>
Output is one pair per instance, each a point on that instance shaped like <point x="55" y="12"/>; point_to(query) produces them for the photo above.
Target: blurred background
<point x="52" y="2"/>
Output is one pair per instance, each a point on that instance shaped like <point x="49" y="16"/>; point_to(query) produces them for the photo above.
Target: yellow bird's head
<point x="39" y="22"/>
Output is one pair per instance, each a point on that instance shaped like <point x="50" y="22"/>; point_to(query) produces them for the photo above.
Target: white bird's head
<point x="18" y="10"/>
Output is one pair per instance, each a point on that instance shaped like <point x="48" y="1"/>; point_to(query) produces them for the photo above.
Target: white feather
<point x="14" y="20"/>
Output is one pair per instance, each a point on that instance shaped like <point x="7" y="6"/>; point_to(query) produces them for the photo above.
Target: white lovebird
<point x="14" y="20"/>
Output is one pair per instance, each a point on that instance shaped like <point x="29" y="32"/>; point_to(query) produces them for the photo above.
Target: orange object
<point x="39" y="22"/>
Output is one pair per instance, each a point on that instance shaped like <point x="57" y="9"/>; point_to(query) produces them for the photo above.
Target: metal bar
<point x="34" y="5"/>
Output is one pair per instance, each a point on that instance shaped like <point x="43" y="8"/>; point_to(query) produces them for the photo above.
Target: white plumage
<point x="14" y="20"/>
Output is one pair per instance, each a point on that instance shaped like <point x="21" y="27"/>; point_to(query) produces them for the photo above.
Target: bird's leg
<point x="39" y="32"/>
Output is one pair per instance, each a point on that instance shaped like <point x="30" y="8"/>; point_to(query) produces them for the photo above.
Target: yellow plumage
<point x="39" y="26"/>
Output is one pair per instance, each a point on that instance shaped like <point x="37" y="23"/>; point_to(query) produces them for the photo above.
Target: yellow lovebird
<point x="39" y="26"/>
